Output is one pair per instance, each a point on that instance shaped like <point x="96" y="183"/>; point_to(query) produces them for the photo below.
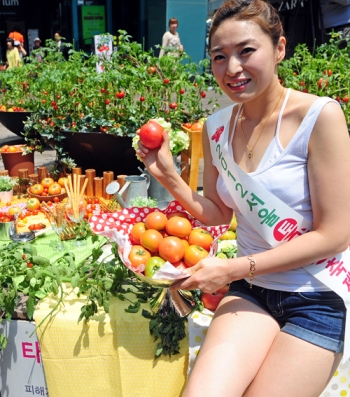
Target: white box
<point x="22" y="371"/>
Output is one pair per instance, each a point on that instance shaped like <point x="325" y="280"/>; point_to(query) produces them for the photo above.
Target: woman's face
<point x="9" y="45"/>
<point x="173" y="27"/>
<point x="243" y="59"/>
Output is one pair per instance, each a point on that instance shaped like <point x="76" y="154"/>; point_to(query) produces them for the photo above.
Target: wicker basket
<point x="47" y="198"/>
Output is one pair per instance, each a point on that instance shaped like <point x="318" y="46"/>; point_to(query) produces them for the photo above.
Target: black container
<point x="13" y="121"/>
<point x="102" y="152"/>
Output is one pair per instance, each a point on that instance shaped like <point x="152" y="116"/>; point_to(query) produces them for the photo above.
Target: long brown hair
<point x="258" y="11"/>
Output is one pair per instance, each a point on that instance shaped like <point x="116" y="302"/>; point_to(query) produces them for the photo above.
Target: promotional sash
<point x="274" y="220"/>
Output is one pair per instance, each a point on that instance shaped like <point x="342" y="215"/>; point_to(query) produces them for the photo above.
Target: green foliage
<point x="71" y="96"/>
<point x="7" y="183"/>
<point x="324" y="73"/>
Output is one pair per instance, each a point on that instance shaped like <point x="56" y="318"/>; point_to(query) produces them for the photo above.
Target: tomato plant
<point x="156" y="220"/>
<point x="151" y="240"/>
<point x="151" y="135"/>
<point x="178" y="226"/>
<point x="193" y="254"/>
<point x="171" y="249"/>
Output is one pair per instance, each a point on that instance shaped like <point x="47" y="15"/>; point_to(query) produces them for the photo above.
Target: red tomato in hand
<point x="138" y="255"/>
<point x="193" y="254"/>
<point x="171" y="249"/>
<point x="178" y="226"/>
<point x="211" y="301"/>
<point x="137" y="230"/>
<point x="156" y="220"/>
<point x="200" y="237"/>
<point x="151" y="239"/>
<point x="151" y="135"/>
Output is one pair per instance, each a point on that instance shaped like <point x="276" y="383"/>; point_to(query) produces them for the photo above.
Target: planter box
<point x="102" y="152"/>
<point x="14" y="161"/>
<point x="13" y="121"/>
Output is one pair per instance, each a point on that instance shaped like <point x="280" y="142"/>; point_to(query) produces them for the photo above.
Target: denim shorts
<point x="316" y="317"/>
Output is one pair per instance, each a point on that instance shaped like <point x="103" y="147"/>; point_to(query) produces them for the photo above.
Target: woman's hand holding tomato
<point x="159" y="162"/>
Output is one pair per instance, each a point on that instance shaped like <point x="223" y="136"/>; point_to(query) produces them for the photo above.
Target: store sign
<point x="10" y="3"/>
<point x="93" y="21"/>
<point x="289" y="5"/>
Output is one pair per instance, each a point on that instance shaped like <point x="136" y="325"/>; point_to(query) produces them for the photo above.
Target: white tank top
<point x="284" y="173"/>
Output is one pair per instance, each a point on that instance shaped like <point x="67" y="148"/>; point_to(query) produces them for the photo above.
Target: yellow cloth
<point x="111" y="356"/>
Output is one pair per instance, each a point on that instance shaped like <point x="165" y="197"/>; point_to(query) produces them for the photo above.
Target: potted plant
<point x="326" y="72"/>
<point x="79" y="111"/>
<point x="6" y="188"/>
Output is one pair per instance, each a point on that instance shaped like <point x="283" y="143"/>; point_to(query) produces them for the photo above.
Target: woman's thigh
<point x="294" y="367"/>
<point x="235" y="347"/>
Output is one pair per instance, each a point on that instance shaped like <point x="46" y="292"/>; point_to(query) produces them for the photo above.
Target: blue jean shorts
<point x="316" y="317"/>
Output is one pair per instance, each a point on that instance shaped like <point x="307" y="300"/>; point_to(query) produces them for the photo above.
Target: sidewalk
<point x="48" y="156"/>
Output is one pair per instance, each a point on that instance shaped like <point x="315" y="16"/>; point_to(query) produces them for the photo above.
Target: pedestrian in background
<point x="22" y="52"/>
<point x="61" y="45"/>
<point x="13" y="58"/>
<point x="171" y="43"/>
<point x="16" y="35"/>
<point x="37" y="43"/>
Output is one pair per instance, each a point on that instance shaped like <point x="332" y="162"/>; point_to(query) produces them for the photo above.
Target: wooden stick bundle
<point x="75" y="194"/>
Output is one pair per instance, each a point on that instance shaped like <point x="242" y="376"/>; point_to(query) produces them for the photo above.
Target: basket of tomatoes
<point x="158" y="245"/>
<point x="48" y="190"/>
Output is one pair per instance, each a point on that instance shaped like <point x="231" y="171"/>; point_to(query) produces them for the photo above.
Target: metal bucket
<point x="7" y="229"/>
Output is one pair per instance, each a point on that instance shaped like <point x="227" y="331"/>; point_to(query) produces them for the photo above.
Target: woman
<point x="279" y="331"/>
<point x="171" y="39"/>
<point x="13" y="58"/>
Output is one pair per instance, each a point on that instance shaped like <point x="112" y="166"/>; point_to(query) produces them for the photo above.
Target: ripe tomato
<point x="120" y="94"/>
<point x="203" y="94"/>
<point x="346" y="99"/>
<point x="228" y="235"/>
<point x="166" y="81"/>
<point x="56" y="199"/>
<point x="37" y="189"/>
<point x="151" y="135"/>
<point x="55" y="188"/>
<point x="33" y="204"/>
<point x="188" y="125"/>
<point x="171" y="249"/>
<point x="322" y="83"/>
<point x="138" y="255"/>
<point x="223" y="289"/>
<point x="193" y="254"/>
<point x="137" y="230"/>
<point x="14" y="210"/>
<point x="151" y="239"/>
<point x="153" y="265"/>
<point x="178" y="226"/>
<point x="12" y="149"/>
<point x="182" y="91"/>
<point x="61" y="181"/>
<point x="197" y="127"/>
<point x="47" y="182"/>
<point x="156" y="220"/>
<point x="185" y="243"/>
<point x="200" y="237"/>
<point x="211" y="301"/>
<point x="180" y="265"/>
<point x="173" y="105"/>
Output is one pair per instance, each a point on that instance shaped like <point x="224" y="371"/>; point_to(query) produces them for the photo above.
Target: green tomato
<point x="153" y="265"/>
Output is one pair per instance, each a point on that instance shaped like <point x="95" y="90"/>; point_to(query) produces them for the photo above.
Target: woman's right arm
<point x="208" y="209"/>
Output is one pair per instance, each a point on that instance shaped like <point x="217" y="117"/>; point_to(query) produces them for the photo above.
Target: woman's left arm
<point x="329" y="181"/>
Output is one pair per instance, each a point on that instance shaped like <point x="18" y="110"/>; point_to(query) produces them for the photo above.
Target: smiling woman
<point x="275" y="158"/>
